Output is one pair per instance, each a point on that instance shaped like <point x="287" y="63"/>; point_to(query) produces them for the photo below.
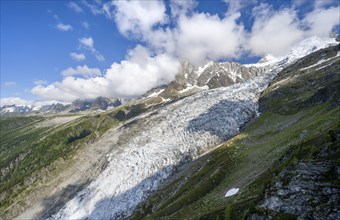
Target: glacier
<point x="163" y="139"/>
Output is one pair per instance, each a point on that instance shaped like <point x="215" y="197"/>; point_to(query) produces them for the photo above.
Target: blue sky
<point x="63" y="50"/>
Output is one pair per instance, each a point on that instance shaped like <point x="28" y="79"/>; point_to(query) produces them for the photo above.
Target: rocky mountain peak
<point x="191" y="79"/>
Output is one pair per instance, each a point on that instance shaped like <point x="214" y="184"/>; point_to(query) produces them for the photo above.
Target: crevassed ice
<point x="182" y="130"/>
<point x="187" y="128"/>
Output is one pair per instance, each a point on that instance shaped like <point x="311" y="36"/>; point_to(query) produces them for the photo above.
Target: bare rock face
<point x="225" y="74"/>
<point x="304" y="191"/>
<point x="210" y="76"/>
<point x="101" y="103"/>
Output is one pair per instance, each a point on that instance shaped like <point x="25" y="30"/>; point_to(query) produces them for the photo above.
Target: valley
<point x="174" y="155"/>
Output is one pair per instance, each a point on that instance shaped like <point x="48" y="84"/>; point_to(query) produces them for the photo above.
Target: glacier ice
<point x="179" y="132"/>
<point x="169" y="136"/>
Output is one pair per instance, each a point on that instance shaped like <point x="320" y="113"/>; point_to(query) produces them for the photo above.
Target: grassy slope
<point x="298" y="118"/>
<point x="30" y="152"/>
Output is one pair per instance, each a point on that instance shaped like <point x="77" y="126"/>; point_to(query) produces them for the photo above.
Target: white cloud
<point x="321" y="21"/>
<point x="185" y="34"/>
<point x="196" y="37"/>
<point x="132" y="77"/>
<point x="64" y="27"/>
<point x="179" y="8"/>
<point x="94" y="8"/>
<point x="108" y="9"/>
<point x="40" y="82"/>
<point x="207" y="37"/>
<point x="9" y="84"/>
<point x="78" y="56"/>
<point x="137" y="18"/>
<point x="274" y="32"/>
<point x="14" y="101"/>
<point x="75" y="7"/>
<point x="86" y="25"/>
<point x="234" y="6"/>
<point x="141" y="72"/>
<point x="324" y="3"/>
<point x="71" y="88"/>
<point x="88" y="43"/>
<point x="81" y="71"/>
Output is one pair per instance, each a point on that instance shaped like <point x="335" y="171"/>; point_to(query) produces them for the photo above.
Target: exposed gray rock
<point x="212" y="75"/>
<point x="303" y="190"/>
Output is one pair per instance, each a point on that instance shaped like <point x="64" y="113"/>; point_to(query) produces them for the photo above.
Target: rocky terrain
<point x="284" y="163"/>
<point x="177" y="151"/>
<point x="98" y="104"/>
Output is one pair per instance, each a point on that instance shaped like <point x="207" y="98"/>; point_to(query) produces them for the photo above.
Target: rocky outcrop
<point x="100" y="103"/>
<point x="306" y="189"/>
<point x="192" y="79"/>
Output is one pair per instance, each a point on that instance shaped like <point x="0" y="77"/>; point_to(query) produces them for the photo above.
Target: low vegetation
<point x="30" y="151"/>
<point x="298" y="118"/>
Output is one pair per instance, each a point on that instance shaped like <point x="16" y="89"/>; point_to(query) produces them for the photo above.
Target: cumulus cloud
<point x="100" y="8"/>
<point x="78" y="56"/>
<point x="40" y="82"/>
<point x="236" y="6"/>
<point x="179" y="8"/>
<point x="321" y="21"/>
<point x="64" y="27"/>
<point x="86" y="25"/>
<point x="185" y="34"/>
<point x="84" y="71"/>
<point x="75" y="7"/>
<point x="197" y="37"/>
<point x="131" y="19"/>
<point x="324" y="3"/>
<point x="71" y="88"/>
<point x="14" y="101"/>
<point x="274" y="32"/>
<point x="132" y="77"/>
<point x="141" y="72"/>
<point x="88" y="43"/>
<point x="203" y="37"/>
<point x="9" y="84"/>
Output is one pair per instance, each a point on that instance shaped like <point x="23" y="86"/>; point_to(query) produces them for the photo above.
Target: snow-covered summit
<point x="299" y="50"/>
<point x="161" y="140"/>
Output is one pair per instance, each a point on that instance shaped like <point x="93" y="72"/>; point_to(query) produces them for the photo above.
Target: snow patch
<point x="318" y="63"/>
<point x="193" y="87"/>
<point x="232" y="192"/>
<point x="201" y="69"/>
<point x="184" y="129"/>
<point x="155" y="94"/>
<point x="300" y="50"/>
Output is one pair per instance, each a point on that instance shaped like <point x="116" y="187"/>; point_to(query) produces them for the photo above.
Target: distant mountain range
<point x="221" y="141"/>
<point x="79" y="105"/>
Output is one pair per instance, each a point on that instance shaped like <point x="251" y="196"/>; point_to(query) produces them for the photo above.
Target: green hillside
<point x="31" y="148"/>
<point x="299" y="124"/>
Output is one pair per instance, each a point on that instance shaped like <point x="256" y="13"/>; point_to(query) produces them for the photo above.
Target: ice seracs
<point x="170" y="136"/>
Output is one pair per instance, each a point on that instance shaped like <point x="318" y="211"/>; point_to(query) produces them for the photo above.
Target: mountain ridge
<point x="167" y="134"/>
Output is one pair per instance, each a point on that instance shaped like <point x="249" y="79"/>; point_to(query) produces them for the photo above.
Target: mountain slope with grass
<point x="175" y="158"/>
<point x="298" y="127"/>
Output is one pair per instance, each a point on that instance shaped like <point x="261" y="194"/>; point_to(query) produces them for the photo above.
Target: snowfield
<point x="168" y="137"/>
